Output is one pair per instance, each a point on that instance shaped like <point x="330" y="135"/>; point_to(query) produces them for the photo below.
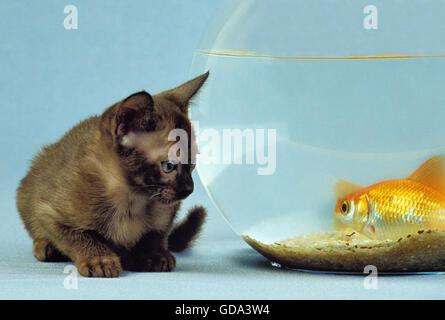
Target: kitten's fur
<point x="100" y="197"/>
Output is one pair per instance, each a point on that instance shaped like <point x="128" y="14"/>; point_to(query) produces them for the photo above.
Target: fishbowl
<point x="311" y="101"/>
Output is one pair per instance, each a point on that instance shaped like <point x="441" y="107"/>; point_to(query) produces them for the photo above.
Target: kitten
<point x="105" y="195"/>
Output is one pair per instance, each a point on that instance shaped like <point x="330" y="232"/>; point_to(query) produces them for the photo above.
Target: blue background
<point x="51" y="78"/>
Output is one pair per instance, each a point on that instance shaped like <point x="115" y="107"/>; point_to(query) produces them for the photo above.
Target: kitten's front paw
<point x="101" y="266"/>
<point x="45" y="251"/>
<point x="162" y="261"/>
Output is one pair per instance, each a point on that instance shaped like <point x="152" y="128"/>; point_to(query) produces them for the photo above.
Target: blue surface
<point x="51" y="78"/>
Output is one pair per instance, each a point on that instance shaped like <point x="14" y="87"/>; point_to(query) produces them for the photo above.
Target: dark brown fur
<point x="99" y="196"/>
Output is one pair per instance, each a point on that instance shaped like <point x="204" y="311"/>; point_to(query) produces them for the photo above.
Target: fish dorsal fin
<point x="431" y="173"/>
<point x="343" y="188"/>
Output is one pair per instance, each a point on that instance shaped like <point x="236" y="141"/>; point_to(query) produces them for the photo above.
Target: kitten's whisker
<point x="154" y="195"/>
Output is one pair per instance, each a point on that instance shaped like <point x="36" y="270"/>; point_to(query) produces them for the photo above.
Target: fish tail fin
<point x="431" y="173"/>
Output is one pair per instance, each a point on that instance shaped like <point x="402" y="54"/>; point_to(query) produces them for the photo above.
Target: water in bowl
<point x="359" y="118"/>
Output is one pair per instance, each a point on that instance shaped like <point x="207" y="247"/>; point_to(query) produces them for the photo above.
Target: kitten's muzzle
<point x="184" y="188"/>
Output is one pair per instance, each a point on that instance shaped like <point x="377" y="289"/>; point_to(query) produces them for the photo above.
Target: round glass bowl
<point x="316" y="91"/>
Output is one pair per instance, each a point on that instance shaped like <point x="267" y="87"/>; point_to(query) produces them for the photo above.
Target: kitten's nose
<point x="186" y="190"/>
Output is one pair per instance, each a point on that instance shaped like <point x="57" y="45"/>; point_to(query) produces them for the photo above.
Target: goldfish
<point x="393" y="209"/>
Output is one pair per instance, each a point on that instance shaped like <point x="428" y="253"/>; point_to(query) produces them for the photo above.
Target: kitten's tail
<point x="183" y="234"/>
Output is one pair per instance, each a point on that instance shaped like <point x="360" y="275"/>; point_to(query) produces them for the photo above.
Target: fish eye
<point x="168" y="166"/>
<point x="345" y="207"/>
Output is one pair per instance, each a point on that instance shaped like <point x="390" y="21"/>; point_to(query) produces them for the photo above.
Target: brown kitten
<point x="105" y="195"/>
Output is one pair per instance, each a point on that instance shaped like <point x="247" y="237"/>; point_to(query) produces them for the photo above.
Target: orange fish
<point x="395" y="208"/>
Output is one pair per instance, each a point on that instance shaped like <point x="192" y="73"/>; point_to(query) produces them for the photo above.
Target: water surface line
<point x="252" y="54"/>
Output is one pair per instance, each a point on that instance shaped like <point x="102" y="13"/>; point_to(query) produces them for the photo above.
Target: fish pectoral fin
<point x="369" y="231"/>
<point x="343" y="188"/>
<point x="431" y="173"/>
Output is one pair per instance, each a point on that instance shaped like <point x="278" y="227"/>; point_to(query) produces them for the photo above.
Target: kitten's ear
<point x="181" y="95"/>
<point x="137" y="101"/>
<point x="130" y="108"/>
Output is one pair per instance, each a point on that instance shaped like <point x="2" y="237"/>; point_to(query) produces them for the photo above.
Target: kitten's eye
<point x="168" y="166"/>
<point x="345" y="207"/>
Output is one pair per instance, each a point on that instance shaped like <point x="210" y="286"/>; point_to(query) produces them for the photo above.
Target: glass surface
<point x="346" y="102"/>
